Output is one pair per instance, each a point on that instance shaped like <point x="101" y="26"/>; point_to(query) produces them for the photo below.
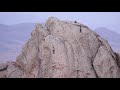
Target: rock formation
<point x="64" y="49"/>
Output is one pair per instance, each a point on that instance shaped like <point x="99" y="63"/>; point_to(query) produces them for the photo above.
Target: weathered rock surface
<point x="14" y="70"/>
<point x="118" y="59"/>
<point x="3" y="66"/>
<point x="11" y="70"/>
<point x="65" y="49"/>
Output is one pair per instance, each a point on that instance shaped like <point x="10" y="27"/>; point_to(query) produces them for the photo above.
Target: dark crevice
<point x="92" y="61"/>
<point x="100" y="42"/>
<point x="3" y="69"/>
<point x="78" y="73"/>
<point x="117" y="59"/>
<point x="93" y="57"/>
<point x="80" y="27"/>
<point x="40" y="69"/>
<point x="53" y="50"/>
<point x="112" y="56"/>
<point x="95" y="71"/>
<point x="43" y="39"/>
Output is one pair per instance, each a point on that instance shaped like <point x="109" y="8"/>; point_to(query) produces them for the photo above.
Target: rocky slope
<point x="64" y="49"/>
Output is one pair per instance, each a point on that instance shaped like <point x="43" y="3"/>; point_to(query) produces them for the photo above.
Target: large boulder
<point x="64" y="49"/>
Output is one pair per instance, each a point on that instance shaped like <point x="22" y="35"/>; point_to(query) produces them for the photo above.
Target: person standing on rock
<point x="75" y="21"/>
<point x="78" y="25"/>
<point x="80" y="28"/>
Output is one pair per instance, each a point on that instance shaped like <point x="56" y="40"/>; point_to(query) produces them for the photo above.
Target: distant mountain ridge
<point x="12" y="37"/>
<point x="112" y="37"/>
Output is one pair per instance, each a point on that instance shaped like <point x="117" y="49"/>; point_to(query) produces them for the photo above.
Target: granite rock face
<point x="3" y="68"/>
<point x="64" y="49"/>
<point x="10" y="70"/>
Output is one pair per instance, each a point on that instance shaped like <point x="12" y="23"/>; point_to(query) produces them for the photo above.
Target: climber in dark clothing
<point x="75" y="21"/>
<point x="80" y="28"/>
<point x="78" y="25"/>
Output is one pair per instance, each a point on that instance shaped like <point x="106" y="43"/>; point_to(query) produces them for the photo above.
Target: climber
<point x="75" y="21"/>
<point x="78" y="25"/>
<point x="80" y="28"/>
<point x="53" y="50"/>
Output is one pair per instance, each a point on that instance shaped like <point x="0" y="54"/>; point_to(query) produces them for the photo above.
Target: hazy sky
<point x="110" y="20"/>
